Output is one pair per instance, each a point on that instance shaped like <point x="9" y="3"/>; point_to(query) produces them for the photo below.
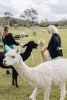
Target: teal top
<point x="6" y="49"/>
<point x="9" y="41"/>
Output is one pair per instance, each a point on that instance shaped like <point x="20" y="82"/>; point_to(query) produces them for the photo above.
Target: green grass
<point x="9" y="92"/>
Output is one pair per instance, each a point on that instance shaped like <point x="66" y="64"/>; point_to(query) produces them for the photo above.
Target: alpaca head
<point x="31" y="44"/>
<point x="11" y="57"/>
<point x="41" y="43"/>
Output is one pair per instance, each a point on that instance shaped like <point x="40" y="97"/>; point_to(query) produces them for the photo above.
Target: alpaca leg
<point x="63" y="91"/>
<point x="47" y="93"/>
<point x="12" y="80"/>
<point x="34" y="94"/>
<point x="16" y="81"/>
<point x="32" y="58"/>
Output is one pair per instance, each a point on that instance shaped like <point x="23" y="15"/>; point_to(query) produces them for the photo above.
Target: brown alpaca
<point x="44" y="52"/>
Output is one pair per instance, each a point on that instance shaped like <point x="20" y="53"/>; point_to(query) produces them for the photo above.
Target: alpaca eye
<point x="13" y="56"/>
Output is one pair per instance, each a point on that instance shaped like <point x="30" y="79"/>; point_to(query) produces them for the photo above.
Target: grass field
<point x="9" y="92"/>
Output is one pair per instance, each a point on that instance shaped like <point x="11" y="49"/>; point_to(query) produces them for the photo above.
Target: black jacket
<point x="9" y="40"/>
<point x="54" y="44"/>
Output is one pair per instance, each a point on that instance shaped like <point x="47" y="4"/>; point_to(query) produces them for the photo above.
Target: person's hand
<point x="22" y="45"/>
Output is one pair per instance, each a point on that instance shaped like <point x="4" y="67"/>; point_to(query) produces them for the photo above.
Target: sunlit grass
<point x="9" y="92"/>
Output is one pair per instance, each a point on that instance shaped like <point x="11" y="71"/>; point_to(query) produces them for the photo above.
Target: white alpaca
<point x="42" y="76"/>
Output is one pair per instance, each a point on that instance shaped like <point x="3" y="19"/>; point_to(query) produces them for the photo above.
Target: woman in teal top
<point x="8" y="39"/>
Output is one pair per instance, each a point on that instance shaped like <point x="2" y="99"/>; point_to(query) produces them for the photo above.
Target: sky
<point x="52" y="10"/>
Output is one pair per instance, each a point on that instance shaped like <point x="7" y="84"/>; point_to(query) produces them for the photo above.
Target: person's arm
<point x="58" y="47"/>
<point x="13" y="40"/>
<point x="56" y="42"/>
<point x="25" y="45"/>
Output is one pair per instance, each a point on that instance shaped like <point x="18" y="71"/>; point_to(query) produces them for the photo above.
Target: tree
<point x="33" y="15"/>
<point x="7" y="16"/>
<point x="30" y="15"/>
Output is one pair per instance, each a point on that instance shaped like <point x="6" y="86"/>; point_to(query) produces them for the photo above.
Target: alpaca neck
<point x="26" y="54"/>
<point x="28" y="50"/>
<point x="23" y="70"/>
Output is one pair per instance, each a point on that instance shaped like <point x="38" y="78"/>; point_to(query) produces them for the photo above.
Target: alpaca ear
<point x="7" y="48"/>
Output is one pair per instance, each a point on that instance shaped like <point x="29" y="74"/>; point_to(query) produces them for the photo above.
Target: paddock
<point x="7" y="91"/>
